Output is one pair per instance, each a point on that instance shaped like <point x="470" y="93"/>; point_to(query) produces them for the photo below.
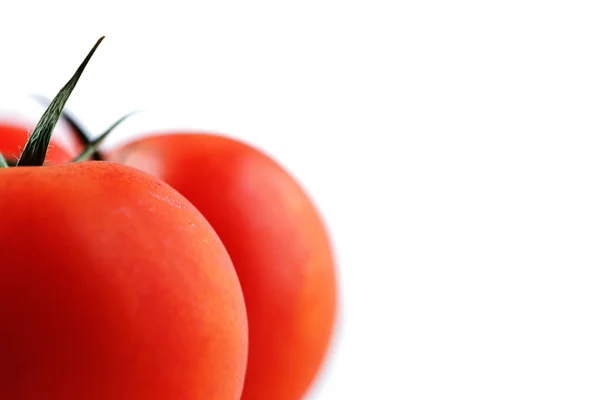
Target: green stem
<point x="92" y="146"/>
<point x="80" y="133"/>
<point x="36" y="147"/>
<point x="3" y="163"/>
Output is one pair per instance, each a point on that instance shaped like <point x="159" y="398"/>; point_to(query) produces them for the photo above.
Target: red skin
<point x="277" y="242"/>
<point x="113" y="286"/>
<point x="13" y="137"/>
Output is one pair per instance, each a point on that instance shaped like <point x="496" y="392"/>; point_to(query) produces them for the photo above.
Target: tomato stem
<point x="82" y="135"/>
<point x="36" y="147"/>
<point x="77" y="127"/>
<point x="3" y="163"/>
<point x="92" y="145"/>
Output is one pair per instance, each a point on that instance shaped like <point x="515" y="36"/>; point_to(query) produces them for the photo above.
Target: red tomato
<point x="277" y="242"/>
<point x="113" y="286"/>
<point x="13" y="137"/>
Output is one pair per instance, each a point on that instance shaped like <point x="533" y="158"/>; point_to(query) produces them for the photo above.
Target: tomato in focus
<point x="113" y="286"/>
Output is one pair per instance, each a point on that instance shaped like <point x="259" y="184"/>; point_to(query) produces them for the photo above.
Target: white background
<point x="452" y="146"/>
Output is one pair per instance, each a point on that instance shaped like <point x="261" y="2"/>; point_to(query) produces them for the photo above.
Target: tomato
<point x="276" y="239"/>
<point x="113" y="286"/>
<point x="14" y="135"/>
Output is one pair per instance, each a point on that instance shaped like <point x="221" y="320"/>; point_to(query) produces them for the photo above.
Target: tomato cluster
<point x="180" y="265"/>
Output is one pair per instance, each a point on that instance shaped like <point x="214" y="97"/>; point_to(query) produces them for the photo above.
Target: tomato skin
<point x="277" y="242"/>
<point x="113" y="286"/>
<point x="13" y="137"/>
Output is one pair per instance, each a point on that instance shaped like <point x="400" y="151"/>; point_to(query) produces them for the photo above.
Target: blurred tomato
<point x="14" y="135"/>
<point x="276" y="239"/>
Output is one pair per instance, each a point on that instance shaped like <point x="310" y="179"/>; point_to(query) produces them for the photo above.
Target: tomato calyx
<point x="34" y="153"/>
<point x="78" y="130"/>
<point x="91" y="146"/>
<point x="91" y="150"/>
